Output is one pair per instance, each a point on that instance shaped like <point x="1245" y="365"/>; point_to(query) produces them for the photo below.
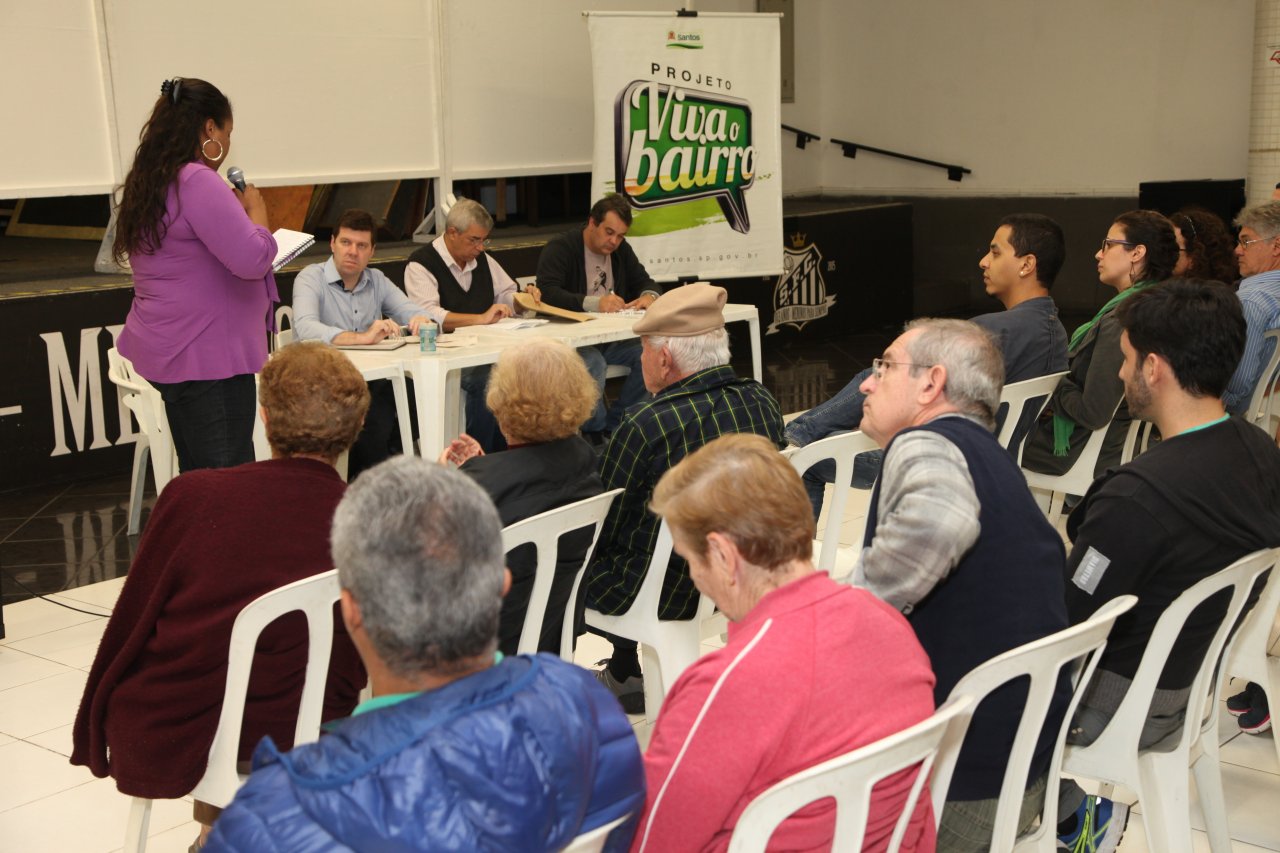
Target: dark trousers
<point x="211" y="420"/>
<point x="481" y="424"/>
<point x="380" y="437"/>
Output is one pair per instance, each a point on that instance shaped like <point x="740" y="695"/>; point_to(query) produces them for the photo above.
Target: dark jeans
<point x="841" y="413"/>
<point x="598" y="358"/>
<point x="380" y="437"/>
<point x="211" y="420"/>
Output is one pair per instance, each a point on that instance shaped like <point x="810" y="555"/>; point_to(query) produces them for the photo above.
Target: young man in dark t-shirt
<point x="1206" y="495"/>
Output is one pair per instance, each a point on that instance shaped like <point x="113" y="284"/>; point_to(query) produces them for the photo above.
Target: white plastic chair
<point x="667" y="646"/>
<point x="1077" y="479"/>
<point x="842" y="447"/>
<point x="1160" y="778"/>
<point x="315" y="597"/>
<point x="1041" y="662"/>
<point x="284" y="337"/>
<point x="1262" y="403"/>
<point x="1249" y="658"/>
<point x="1015" y="397"/>
<point x="848" y="779"/>
<point x="593" y="841"/>
<point x="544" y="531"/>
<point x="153" y="439"/>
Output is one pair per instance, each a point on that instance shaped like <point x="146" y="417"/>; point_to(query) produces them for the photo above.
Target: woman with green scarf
<point x="1139" y="250"/>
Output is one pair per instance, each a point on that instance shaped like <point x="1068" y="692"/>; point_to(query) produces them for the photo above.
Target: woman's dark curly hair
<point x="168" y="141"/>
<point x="1210" y="246"/>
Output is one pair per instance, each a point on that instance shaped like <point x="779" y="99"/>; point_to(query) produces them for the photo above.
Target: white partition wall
<point x="322" y="92"/>
<point x="518" y="87"/>
<point x="57" y="136"/>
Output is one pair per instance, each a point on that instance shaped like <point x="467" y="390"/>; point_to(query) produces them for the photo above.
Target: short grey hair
<point x="465" y="213"/>
<point x="695" y="353"/>
<point x="419" y="547"/>
<point x="1263" y="218"/>
<point x="975" y="367"/>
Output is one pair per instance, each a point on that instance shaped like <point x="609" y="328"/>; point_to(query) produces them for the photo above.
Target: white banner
<point x="687" y="128"/>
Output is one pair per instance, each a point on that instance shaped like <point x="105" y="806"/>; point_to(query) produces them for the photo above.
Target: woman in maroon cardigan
<point x="216" y="540"/>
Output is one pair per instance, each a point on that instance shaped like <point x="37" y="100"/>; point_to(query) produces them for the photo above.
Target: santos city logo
<point x="674" y="145"/>
<point x="800" y="294"/>
<point x="687" y="40"/>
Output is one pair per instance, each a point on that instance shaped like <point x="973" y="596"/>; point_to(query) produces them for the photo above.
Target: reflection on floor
<point x="70" y="543"/>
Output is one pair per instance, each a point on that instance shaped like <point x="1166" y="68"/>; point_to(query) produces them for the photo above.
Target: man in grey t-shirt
<point x="1020" y="266"/>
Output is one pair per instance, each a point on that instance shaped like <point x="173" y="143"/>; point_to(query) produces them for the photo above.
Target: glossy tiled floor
<point x="70" y="543"/>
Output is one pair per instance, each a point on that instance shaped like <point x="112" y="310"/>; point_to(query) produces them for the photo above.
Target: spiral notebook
<point x="289" y="244"/>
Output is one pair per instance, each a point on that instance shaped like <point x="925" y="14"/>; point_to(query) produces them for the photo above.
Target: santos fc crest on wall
<point x="800" y="295"/>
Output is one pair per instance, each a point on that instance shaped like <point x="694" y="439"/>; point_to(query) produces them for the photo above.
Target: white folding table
<point x="436" y="375"/>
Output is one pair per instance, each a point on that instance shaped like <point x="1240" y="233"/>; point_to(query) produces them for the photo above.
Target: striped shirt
<point x="1260" y="300"/>
<point x="652" y="437"/>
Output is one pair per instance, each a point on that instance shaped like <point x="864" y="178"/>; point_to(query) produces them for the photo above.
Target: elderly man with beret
<point x="696" y="398"/>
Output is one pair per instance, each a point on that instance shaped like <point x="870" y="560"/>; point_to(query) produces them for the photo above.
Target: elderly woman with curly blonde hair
<point x="540" y="393"/>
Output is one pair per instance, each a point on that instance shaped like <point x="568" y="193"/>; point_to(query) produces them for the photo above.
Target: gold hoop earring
<point x="221" y="150"/>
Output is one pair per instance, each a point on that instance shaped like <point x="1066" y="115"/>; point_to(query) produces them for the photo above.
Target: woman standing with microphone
<point x="201" y="255"/>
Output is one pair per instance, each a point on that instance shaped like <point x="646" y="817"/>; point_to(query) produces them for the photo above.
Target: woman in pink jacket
<point x="813" y="668"/>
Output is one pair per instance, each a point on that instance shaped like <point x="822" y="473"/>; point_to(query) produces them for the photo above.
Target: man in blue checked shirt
<point x="1258" y="253"/>
<point x="343" y="302"/>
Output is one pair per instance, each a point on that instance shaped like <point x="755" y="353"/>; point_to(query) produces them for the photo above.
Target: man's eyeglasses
<point x="1244" y="244"/>
<point x="1107" y="243"/>
<point x="880" y="365"/>
<point x="477" y="242"/>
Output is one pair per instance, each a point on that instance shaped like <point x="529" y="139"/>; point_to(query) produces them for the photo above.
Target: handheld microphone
<point x="236" y="177"/>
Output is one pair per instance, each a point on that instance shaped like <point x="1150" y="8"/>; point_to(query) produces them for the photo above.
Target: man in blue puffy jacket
<point x="459" y="749"/>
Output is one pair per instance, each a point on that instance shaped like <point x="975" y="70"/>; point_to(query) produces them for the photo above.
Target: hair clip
<point x="171" y="88"/>
<point x="1191" y="225"/>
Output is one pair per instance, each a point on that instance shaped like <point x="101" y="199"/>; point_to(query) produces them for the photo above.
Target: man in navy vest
<point x="957" y="543"/>
<point x="459" y="284"/>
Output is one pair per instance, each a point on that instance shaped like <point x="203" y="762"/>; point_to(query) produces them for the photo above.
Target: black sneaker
<point x="629" y="691"/>
<point x="1241" y="703"/>
<point x="1258" y="718"/>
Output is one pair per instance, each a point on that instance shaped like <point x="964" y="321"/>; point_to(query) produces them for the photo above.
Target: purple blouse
<point x="202" y="303"/>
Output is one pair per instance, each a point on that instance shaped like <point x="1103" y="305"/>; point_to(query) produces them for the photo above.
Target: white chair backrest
<point x="1041" y="662"/>
<point x="593" y="840"/>
<point x="667" y="647"/>
<point x="1249" y="658"/>
<point x="1262" y="403"/>
<point x="1121" y="734"/>
<point x="284" y="337"/>
<point x="848" y="779"/>
<point x="543" y="531"/>
<point x="842" y="448"/>
<point x="1014" y="398"/>
<point x="649" y="598"/>
<point x="315" y="597"/>
<point x="142" y="398"/>
<point x="1077" y="479"/>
